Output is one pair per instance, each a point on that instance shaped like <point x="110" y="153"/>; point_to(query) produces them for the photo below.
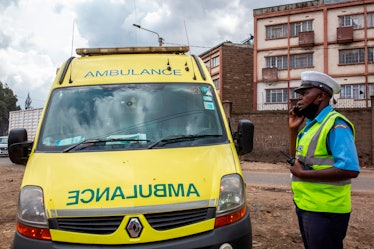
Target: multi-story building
<point x="231" y="67"/>
<point x="330" y="36"/>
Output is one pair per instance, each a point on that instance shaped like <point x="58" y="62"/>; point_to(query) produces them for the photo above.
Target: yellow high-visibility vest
<point x="314" y="195"/>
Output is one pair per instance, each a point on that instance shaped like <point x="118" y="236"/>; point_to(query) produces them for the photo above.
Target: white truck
<point x="28" y="119"/>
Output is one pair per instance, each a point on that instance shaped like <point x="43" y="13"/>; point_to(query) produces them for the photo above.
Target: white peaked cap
<point x="310" y="79"/>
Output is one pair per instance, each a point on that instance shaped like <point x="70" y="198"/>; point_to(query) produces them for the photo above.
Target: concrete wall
<point x="272" y="134"/>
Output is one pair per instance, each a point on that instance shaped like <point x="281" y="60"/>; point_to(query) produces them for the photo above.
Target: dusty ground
<point x="273" y="219"/>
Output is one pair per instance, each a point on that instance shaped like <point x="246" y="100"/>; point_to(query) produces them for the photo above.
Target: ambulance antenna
<point x="72" y="39"/>
<point x="188" y="42"/>
<point x="71" y="51"/>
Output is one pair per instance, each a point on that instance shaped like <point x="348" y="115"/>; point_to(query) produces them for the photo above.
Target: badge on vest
<point x="299" y="148"/>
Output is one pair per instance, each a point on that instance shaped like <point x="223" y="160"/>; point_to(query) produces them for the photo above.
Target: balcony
<point x="270" y="74"/>
<point x="306" y="39"/>
<point x="344" y="34"/>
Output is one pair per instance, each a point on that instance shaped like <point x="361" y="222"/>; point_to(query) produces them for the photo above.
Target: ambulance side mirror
<point x="18" y="146"/>
<point x="244" y="137"/>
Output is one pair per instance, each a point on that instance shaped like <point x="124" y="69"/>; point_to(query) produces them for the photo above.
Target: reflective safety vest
<point x="316" y="195"/>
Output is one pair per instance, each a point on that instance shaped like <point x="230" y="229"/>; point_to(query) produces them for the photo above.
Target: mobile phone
<point x="297" y="111"/>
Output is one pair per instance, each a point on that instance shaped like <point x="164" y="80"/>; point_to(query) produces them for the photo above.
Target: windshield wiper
<point x="91" y="142"/>
<point x="178" y="138"/>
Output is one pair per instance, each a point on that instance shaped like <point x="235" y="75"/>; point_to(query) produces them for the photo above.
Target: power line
<point x="192" y="46"/>
<point x="18" y="97"/>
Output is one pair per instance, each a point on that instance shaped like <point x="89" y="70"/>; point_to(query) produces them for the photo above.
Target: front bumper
<point x="3" y="152"/>
<point x="238" y="235"/>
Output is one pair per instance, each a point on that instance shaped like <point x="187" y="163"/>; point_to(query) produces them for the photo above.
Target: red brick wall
<point x="237" y="77"/>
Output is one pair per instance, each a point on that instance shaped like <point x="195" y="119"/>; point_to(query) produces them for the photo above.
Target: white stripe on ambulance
<point x="133" y="210"/>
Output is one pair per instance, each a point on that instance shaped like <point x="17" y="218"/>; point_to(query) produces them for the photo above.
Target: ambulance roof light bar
<point x="132" y="50"/>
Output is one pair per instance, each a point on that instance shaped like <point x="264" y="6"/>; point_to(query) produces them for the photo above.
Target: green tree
<point x="8" y="102"/>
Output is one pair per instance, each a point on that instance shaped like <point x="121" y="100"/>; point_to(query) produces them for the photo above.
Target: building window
<point x="296" y="61"/>
<point x="215" y="61"/>
<point x="276" y="95"/>
<point x="370" y="19"/>
<point x="350" y="56"/>
<point x="352" y="91"/>
<point x="298" y="27"/>
<point x="371" y="90"/>
<point x="279" y="62"/>
<point x="216" y="83"/>
<point x="370" y="55"/>
<point x="276" y="31"/>
<point x="301" y="60"/>
<point x="356" y="21"/>
<point x="293" y="94"/>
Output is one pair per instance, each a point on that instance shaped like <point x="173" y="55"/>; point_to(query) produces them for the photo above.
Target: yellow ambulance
<point x="133" y="150"/>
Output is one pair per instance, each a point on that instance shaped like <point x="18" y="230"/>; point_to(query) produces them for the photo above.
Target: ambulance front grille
<point x="109" y="224"/>
<point x="170" y="220"/>
<point x="92" y="225"/>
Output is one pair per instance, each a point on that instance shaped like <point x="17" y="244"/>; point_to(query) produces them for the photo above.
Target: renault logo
<point x="134" y="228"/>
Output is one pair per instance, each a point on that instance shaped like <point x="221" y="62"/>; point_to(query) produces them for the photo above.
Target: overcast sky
<point x="37" y="36"/>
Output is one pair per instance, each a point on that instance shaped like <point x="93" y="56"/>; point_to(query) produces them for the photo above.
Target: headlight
<point x="232" y="194"/>
<point x="31" y="209"/>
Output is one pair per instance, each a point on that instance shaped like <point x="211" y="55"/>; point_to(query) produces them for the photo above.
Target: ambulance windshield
<point x="131" y="116"/>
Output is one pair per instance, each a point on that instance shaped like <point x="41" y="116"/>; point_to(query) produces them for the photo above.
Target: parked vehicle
<point x="133" y="151"/>
<point x="3" y="146"/>
<point x="28" y="119"/>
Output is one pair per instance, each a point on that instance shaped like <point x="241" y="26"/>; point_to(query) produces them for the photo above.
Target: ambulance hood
<point x="125" y="182"/>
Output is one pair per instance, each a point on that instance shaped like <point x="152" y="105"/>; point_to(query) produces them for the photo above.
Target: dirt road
<point x="274" y="222"/>
<point x="272" y="212"/>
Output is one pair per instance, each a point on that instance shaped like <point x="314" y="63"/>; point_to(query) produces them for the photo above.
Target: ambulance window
<point x="130" y="116"/>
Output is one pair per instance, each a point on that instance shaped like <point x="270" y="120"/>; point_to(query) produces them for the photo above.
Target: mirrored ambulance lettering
<point x="85" y="196"/>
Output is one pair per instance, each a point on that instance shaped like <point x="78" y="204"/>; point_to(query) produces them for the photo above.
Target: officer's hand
<point x="294" y="121"/>
<point x="297" y="169"/>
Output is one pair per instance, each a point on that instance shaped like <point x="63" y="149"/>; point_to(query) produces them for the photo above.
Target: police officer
<point x="326" y="161"/>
